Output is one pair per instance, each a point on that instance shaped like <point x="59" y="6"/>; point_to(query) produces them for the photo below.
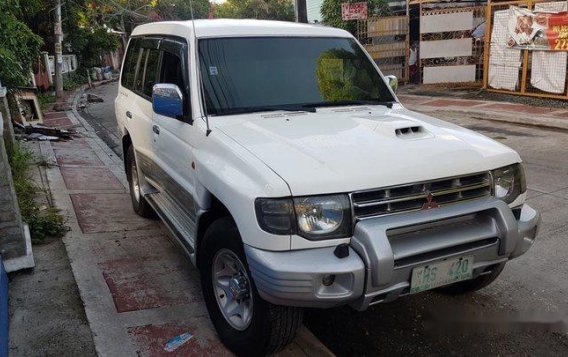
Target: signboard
<point x="537" y="30"/>
<point x="58" y="52"/>
<point x="354" y="11"/>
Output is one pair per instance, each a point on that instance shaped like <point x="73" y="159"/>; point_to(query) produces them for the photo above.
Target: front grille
<point x="412" y="197"/>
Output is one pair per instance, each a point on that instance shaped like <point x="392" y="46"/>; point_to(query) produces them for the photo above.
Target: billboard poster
<point x="354" y="11"/>
<point x="537" y="30"/>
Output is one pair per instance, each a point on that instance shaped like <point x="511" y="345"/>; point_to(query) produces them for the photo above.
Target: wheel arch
<point x="216" y="210"/>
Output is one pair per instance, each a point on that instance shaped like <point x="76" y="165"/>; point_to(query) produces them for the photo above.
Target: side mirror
<point x="393" y="82"/>
<point x="167" y="100"/>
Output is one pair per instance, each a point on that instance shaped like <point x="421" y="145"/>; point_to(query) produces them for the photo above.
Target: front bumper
<point x="384" y="250"/>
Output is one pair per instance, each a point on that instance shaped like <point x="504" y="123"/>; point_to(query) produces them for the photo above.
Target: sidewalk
<point x="138" y="289"/>
<point x="489" y="110"/>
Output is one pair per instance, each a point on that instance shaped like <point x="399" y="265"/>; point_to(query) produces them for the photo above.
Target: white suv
<point x="281" y="160"/>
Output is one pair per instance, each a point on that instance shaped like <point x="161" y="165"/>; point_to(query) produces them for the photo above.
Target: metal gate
<point x="387" y="41"/>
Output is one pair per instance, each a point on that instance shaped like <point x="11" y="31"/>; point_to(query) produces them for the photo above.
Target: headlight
<point x="312" y="217"/>
<point x="509" y="182"/>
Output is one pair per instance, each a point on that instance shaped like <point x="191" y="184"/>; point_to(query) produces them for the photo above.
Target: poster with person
<point x="537" y="30"/>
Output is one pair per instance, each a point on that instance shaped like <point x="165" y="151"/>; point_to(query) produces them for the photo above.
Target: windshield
<point x="243" y="75"/>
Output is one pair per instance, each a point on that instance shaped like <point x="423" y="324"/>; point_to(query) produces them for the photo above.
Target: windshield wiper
<point x="341" y="103"/>
<point x="286" y="108"/>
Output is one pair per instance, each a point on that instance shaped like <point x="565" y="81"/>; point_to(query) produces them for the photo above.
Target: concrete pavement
<point x="137" y="289"/>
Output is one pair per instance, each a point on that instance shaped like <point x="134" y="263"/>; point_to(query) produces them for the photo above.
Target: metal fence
<point x="387" y="41"/>
<point x="449" y="52"/>
<point x="522" y="72"/>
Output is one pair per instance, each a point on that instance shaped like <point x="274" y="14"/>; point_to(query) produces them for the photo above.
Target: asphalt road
<point x="524" y="312"/>
<point x="102" y="117"/>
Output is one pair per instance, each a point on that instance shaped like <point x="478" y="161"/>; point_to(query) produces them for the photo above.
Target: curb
<point x="536" y="120"/>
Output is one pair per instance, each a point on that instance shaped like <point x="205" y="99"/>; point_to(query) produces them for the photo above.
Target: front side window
<point x="171" y="71"/>
<point x="251" y="74"/>
<point x="147" y="71"/>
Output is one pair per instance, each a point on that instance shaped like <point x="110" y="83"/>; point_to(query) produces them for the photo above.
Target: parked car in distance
<point x="281" y="160"/>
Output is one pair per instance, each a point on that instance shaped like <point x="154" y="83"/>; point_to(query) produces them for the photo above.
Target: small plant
<point x="45" y="100"/>
<point x="74" y="80"/>
<point x="43" y="222"/>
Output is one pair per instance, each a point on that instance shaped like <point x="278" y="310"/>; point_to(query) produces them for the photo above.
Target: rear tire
<point x="271" y="327"/>
<point x="139" y="203"/>
<point x="468" y="286"/>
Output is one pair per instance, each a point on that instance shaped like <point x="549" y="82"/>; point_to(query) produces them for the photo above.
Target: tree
<point x="331" y="13"/>
<point x="256" y="9"/>
<point x="20" y="46"/>
<point x="181" y="9"/>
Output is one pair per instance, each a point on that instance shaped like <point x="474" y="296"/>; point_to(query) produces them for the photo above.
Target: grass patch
<point x="44" y="222"/>
<point x="45" y="100"/>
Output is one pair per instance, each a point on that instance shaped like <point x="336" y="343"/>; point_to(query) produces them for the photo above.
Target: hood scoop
<point x="402" y="129"/>
<point x="410" y="132"/>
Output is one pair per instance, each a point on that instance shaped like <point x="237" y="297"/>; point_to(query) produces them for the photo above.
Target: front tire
<point x="469" y="286"/>
<point x="255" y="327"/>
<point x="139" y="203"/>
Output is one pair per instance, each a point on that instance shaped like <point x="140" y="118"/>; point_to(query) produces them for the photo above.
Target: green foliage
<point x="256" y="9"/>
<point x="19" y="47"/>
<point x="331" y="13"/>
<point x="43" y="222"/>
<point x="181" y="9"/>
<point x="90" y="42"/>
<point x="45" y="100"/>
<point x="75" y="79"/>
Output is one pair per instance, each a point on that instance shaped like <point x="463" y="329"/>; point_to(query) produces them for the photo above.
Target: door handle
<point x="129" y="115"/>
<point x="156" y="129"/>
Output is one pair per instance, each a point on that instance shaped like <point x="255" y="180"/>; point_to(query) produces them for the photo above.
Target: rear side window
<point x="130" y="63"/>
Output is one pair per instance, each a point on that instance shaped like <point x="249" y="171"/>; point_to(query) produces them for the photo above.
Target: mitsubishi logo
<point x="430" y="203"/>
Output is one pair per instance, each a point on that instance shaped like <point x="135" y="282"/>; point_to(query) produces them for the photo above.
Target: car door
<point x="132" y="109"/>
<point x="143" y="136"/>
<point x="174" y="152"/>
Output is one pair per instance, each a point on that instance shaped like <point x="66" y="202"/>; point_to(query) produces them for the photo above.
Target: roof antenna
<point x="199" y="79"/>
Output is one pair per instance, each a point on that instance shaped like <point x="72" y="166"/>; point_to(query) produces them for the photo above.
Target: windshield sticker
<point x="213" y="71"/>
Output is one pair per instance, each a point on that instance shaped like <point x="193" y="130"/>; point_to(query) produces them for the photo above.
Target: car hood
<point x="347" y="149"/>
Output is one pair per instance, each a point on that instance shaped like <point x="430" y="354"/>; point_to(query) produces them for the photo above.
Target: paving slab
<point x="76" y="144"/>
<point x="57" y="122"/>
<point x="108" y="212"/>
<point x="77" y="157"/>
<point x="91" y="178"/>
<point x="519" y="108"/>
<point x="151" y="339"/>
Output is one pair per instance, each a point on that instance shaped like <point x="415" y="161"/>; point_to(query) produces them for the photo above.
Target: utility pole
<point x="58" y="58"/>
<point x="301" y="11"/>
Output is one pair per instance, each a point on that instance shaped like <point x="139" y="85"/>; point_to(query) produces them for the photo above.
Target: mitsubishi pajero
<point x="281" y="160"/>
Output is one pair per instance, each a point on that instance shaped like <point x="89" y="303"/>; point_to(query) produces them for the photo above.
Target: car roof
<point x="236" y="28"/>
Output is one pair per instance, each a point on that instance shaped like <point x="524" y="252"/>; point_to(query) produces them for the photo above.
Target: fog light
<point x="328" y="279"/>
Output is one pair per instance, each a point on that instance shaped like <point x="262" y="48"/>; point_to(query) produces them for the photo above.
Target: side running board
<point x="178" y="222"/>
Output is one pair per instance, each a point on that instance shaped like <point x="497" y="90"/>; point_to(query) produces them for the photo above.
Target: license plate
<point x="441" y="273"/>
